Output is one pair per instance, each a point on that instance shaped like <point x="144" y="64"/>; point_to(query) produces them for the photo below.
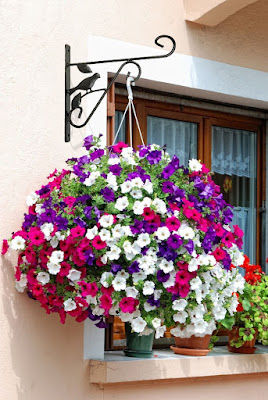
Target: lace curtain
<point x="179" y="136"/>
<point x="234" y="162"/>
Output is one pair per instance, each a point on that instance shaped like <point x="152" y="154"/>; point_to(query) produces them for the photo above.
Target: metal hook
<point x="130" y="81"/>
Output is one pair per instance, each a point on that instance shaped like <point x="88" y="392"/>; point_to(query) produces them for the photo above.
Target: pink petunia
<point x="78" y="231"/>
<point x="5" y="247"/>
<point x="128" y="304"/>
<point x="172" y="224"/>
<point x="182" y="277"/>
<point x="119" y="147"/>
<point x="106" y="302"/>
<point x="36" y="236"/>
<point x="238" y="231"/>
<point x="98" y="244"/>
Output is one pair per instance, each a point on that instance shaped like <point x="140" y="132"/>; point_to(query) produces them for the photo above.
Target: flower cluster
<point x="252" y="309"/>
<point x="134" y="234"/>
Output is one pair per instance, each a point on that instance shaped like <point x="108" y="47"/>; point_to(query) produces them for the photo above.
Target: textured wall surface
<point x="40" y="359"/>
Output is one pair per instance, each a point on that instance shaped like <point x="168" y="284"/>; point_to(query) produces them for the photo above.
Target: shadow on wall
<point x="46" y="357"/>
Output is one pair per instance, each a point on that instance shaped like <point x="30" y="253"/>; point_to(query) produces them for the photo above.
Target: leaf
<point x="84" y="68"/>
<point x="246" y="304"/>
<point x="76" y="101"/>
<point x="228" y="322"/>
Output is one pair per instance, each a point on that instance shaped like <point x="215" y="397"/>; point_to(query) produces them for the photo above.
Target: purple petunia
<point x="115" y="169"/>
<point x="154" y="157"/>
<point x="107" y="194"/>
<point x="134" y="268"/>
<point x="88" y="141"/>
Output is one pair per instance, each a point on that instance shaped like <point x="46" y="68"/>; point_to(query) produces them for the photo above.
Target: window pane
<point x="234" y="161"/>
<point x="121" y="137"/>
<point x="180" y="137"/>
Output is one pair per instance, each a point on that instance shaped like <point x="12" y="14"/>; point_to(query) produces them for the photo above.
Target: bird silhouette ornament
<point x="85" y="85"/>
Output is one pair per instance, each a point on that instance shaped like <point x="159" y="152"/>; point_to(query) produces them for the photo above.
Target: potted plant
<point x="251" y="319"/>
<point x="134" y="234"/>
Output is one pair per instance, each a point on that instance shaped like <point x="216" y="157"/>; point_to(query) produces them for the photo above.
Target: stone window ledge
<point x="116" y="368"/>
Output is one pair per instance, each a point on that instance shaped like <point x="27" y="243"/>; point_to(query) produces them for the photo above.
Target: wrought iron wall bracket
<point x="74" y="96"/>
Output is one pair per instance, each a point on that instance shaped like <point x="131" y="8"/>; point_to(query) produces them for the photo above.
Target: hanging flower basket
<point x="134" y="234"/>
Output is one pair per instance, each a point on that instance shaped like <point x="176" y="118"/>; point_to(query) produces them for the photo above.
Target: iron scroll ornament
<point x="86" y="86"/>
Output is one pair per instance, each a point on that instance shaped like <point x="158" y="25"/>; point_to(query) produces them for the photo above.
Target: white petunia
<point x="148" y="186"/>
<point x="74" y="275"/>
<point x="106" y="279"/>
<point x="132" y="292"/>
<point x="156" y="322"/>
<point x="54" y="242"/>
<point x="171" y="281"/>
<point x="160" y="206"/>
<point x="138" y="276"/>
<point x="138" y="324"/>
<point x="32" y="199"/>
<point x="147" y="307"/>
<point x="111" y="181"/>
<point x="91" y="180"/>
<point x="43" y="278"/>
<point x="186" y="232"/>
<point x="180" y="317"/>
<point x="146" y="202"/>
<point x="114" y="253"/>
<point x="127" y="231"/>
<point x="160" y="331"/>
<point x="124" y="274"/>
<point x="56" y="257"/>
<point x="200" y="327"/>
<point x="197" y="313"/>
<point x="53" y="269"/>
<point x="91" y="233"/>
<point x="113" y="160"/>
<point x="136" y="194"/>
<point x="162" y="233"/>
<point x="69" y="305"/>
<point x="137" y="182"/>
<point x="126" y="187"/>
<point x="166" y="266"/>
<point x="121" y="203"/>
<point x="47" y="228"/>
<point x="195" y="165"/>
<point x="179" y="305"/>
<point x="39" y="209"/>
<point x="105" y="235"/>
<point x="138" y="207"/>
<point x="60" y="236"/>
<point x="117" y="231"/>
<point x="195" y="283"/>
<point x="148" y="288"/>
<point x="146" y="331"/>
<point x="219" y="313"/>
<point x="22" y="283"/>
<point x="119" y="283"/>
<point x="193" y="265"/>
<point x="106" y="220"/>
<point x="18" y="243"/>
<point x="143" y="239"/>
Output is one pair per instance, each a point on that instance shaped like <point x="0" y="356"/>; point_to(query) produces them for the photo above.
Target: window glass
<point x="234" y="161"/>
<point x="121" y="137"/>
<point x="180" y="137"/>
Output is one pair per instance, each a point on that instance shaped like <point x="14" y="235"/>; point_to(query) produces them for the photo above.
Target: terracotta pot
<point x="193" y="346"/>
<point x="246" y="348"/>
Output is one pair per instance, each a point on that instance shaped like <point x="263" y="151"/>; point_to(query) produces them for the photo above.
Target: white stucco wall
<point x="40" y="358"/>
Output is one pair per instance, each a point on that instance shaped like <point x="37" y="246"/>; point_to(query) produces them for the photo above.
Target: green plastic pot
<point x="138" y="346"/>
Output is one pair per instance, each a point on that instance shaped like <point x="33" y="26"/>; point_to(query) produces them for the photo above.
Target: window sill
<point x="116" y="368"/>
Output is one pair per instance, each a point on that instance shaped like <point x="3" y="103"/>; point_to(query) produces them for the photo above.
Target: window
<point x="231" y="145"/>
